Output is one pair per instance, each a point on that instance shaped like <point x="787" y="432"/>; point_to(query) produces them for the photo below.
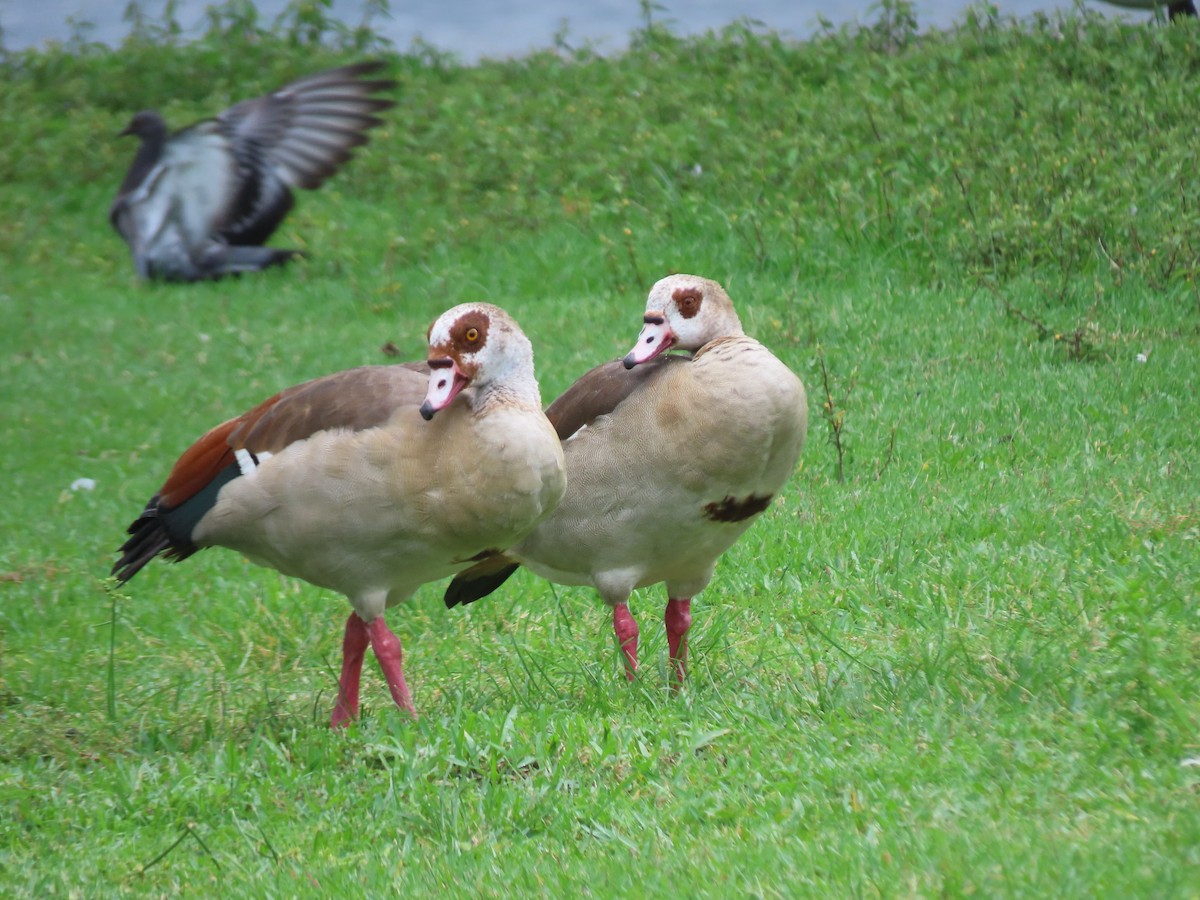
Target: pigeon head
<point x="145" y="125"/>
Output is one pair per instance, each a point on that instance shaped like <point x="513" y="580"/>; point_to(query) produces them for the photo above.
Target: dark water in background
<point x="492" y="28"/>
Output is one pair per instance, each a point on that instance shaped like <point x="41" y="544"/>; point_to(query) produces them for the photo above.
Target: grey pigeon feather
<point x="201" y="202"/>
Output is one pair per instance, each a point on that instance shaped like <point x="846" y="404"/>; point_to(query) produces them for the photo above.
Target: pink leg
<point x="387" y="650"/>
<point x="354" y="645"/>
<point x="679" y="619"/>
<point x="627" y="636"/>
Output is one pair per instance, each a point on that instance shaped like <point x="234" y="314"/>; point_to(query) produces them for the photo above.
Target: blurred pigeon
<point x="200" y="203"/>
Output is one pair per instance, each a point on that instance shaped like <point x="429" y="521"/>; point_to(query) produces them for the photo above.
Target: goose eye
<point x="472" y="334"/>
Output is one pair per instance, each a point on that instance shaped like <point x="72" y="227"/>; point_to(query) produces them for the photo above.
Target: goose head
<point x="479" y="346"/>
<point x="683" y="311"/>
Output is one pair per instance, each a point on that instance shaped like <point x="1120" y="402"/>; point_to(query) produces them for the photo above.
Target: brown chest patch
<point x="731" y="509"/>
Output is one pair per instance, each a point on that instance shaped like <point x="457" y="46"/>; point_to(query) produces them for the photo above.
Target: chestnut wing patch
<point x="600" y="391"/>
<point x="355" y="399"/>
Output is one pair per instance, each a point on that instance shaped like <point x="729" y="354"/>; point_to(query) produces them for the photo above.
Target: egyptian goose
<point x="372" y="481"/>
<point x="669" y="460"/>
<point x="200" y="202"/>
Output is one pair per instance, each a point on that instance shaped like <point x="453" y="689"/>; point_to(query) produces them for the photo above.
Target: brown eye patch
<point x="470" y="332"/>
<point x="687" y="301"/>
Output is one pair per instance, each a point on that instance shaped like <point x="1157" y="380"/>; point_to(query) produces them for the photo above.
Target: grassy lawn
<point x="958" y="655"/>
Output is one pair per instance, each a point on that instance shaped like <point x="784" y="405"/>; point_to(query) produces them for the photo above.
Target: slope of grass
<point x="969" y="665"/>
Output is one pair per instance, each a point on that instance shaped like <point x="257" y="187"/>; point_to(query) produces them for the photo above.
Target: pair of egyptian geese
<point x="376" y="480"/>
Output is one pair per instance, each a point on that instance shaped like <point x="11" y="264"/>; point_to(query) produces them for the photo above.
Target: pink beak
<point x="656" y="337"/>
<point x="445" y="381"/>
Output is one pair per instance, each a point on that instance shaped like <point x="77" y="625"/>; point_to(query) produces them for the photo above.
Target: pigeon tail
<point x="225" y="260"/>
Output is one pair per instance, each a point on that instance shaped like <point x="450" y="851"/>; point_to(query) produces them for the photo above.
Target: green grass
<point x="970" y="666"/>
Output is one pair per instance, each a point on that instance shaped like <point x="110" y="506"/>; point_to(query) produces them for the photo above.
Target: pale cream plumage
<point x="668" y="464"/>
<point x="345" y="483"/>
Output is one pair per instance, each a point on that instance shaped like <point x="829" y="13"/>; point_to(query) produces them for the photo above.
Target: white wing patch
<point x="249" y="462"/>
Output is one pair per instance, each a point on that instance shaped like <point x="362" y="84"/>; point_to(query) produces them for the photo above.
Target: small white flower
<point x="1143" y="356"/>
<point x="697" y="170"/>
<point x="83" y="484"/>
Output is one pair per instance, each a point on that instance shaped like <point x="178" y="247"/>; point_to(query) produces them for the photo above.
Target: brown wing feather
<point x="201" y="462"/>
<point x="598" y="392"/>
<point x="355" y="399"/>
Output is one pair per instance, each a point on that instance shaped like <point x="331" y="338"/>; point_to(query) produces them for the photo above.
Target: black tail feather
<point x="480" y="580"/>
<point x="148" y="538"/>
